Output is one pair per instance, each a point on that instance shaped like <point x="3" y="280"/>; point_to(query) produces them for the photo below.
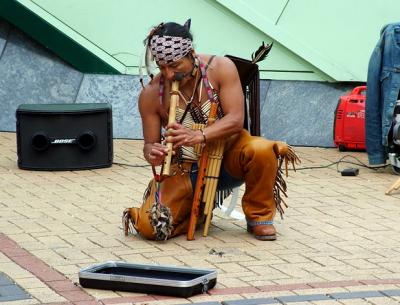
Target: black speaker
<point x="64" y="136"/>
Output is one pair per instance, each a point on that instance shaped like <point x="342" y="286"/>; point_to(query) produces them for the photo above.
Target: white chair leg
<point x="232" y="204"/>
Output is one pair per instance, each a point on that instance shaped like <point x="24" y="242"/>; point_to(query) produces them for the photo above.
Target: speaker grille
<point x="64" y="136"/>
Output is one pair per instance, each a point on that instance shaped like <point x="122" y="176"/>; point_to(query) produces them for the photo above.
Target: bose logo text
<point x="63" y="141"/>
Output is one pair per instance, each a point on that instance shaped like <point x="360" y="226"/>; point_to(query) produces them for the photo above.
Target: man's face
<point x="183" y="65"/>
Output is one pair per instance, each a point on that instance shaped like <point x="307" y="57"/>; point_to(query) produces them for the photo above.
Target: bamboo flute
<point x="171" y="119"/>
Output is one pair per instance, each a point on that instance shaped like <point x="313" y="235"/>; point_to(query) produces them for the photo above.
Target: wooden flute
<point x="171" y="119"/>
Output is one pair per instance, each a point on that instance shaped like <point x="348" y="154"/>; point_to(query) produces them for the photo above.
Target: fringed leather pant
<point x="252" y="159"/>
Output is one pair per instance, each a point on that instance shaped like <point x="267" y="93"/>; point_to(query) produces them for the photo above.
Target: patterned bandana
<point x="167" y="49"/>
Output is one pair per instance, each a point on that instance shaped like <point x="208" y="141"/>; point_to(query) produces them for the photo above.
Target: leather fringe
<point x="289" y="156"/>
<point x="221" y="196"/>
<point x="127" y="222"/>
<point x="280" y="187"/>
<point x="147" y="191"/>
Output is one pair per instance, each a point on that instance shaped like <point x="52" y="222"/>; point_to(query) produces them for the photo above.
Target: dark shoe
<point x="262" y="232"/>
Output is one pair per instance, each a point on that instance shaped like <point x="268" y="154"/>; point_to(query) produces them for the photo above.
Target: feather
<point x="141" y="68"/>
<point x="161" y="220"/>
<point x="147" y="57"/>
<point x="261" y="52"/>
<point x="187" y="24"/>
<point x="149" y="62"/>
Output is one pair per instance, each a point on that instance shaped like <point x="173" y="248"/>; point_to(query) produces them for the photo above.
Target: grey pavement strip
<point x="307" y="298"/>
<point x="391" y="292"/>
<point x="250" y="301"/>
<point x="303" y="298"/>
<point x="204" y="303"/>
<point x="356" y="295"/>
<point x="5" y="281"/>
<point x="10" y="291"/>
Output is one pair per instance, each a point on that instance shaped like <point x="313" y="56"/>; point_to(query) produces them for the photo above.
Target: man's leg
<point x="176" y="194"/>
<point x="255" y="160"/>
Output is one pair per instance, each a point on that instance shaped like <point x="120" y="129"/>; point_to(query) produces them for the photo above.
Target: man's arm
<point x="231" y="99"/>
<point x="153" y="151"/>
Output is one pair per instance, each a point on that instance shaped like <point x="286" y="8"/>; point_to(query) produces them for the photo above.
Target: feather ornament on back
<point x="261" y="52"/>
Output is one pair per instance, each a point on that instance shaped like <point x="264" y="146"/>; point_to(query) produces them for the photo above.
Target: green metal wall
<point x="313" y="39"/>
<point x="336" y="37"/>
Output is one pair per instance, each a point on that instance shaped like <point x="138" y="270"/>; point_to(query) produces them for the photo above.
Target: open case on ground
<point x="146" y="278"/>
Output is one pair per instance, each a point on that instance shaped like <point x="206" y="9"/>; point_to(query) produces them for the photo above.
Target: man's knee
<point x="261" y="150"/>
<point x="145" y="229"/>
<point x="147" y="235"/>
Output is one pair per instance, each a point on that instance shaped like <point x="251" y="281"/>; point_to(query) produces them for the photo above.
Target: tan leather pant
<point x="253" y="159"/>
<point x="256" y="160"/>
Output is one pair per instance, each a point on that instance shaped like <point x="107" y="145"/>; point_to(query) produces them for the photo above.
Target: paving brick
<point x="382" y="301"/>
<point x="6" y="243"/>
<point x="203" y="303"/>
<point x="286" y="287"/>
<point x="76" y="295"/>
<point x="355" y="295"/>
<point x="127" y="300"/>
<point x="63" y="285"/>
<point x="391" y="293"/>
<point x="371" y="287"/>
<point x="42" y="271"/>
<point x="302" y="298"/>
<point x="49" y="256"/>
<point x="14" y="271"/>
<point x="31" y="283"/>
<point x="232" y="282"/>
<point x="380" y="281"/>
<point x="105" y="294"/>
<point x="12" y="298"/>
<point x="88" y="303"/>
<point x="4" y="280"/>
<point x="237" y="290"/>
<point x="53" y="241"/>
<point x="335" y="284"/>
<point x="59" y="303"/>
<point x="12" y="290"/>
<point x="324" y="302"/>
<point x="251" y="301"/>
<point x="215" y="298"/>
<point x="45" y="295"/>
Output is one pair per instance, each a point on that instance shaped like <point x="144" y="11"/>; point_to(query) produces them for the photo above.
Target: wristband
<point x="204" y="136"/>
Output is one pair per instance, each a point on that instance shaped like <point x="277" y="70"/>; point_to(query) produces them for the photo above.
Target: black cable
<point x="132" y="165"/>
<point x="360" y="163"/>
<point x="341" y="160"/>
<point x="297" y="169"/>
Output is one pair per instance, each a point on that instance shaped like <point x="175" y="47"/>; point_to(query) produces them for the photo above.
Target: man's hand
<point x="182" y="136"/>
<point x="155" y="153"/>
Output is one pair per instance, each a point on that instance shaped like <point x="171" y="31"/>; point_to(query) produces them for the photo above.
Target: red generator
<point x="349" y="128"/>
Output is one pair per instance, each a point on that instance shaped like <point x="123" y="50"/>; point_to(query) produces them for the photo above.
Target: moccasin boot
<point x="262" y="232"/>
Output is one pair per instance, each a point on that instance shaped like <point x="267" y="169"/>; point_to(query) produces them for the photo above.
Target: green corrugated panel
<point x="56" y="36"/>
<point x="110" y="33"/>
<point x="118" y="28"/>
<point x="336" y="37"/>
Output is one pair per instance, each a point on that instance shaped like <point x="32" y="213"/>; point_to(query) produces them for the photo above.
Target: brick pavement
<point x="339" y="235"/>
